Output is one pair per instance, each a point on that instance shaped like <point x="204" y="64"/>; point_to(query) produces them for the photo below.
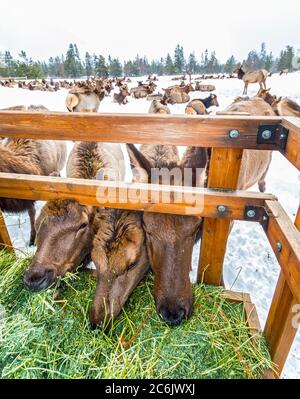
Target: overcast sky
<point x="124" y="28"/>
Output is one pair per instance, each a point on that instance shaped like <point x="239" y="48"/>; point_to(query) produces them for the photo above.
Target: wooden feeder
<point x="228" y="135"/>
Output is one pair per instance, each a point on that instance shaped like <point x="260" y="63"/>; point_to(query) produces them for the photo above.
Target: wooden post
<point x="279" y="329"/>
<point x="5" y="241"/>
<point x="223" y="173"/>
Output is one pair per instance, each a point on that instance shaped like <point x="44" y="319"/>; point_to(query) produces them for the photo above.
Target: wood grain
<point x="279" y="329"/>
<point x="135" y="196"/>
<point x="223" y="172"/>
<point x="292" y="150"/>
<point x="5" y="241"/>
<point x="206" y="131"/>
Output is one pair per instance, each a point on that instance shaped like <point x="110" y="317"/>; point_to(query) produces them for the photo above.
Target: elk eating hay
<point x="46" y="336"/>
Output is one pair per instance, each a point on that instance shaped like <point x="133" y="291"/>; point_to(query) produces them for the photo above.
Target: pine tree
<point x="101" y="68"/>
<point x="179" y="61"/>
<point x="269" y="62"/>
<point x="230" y="65"/>
<point x="263" y="56"/>
<point x="115" y="67"/>
<point x="213" y="65"/>
<point x="88" y="65"/>
<point x="286" y="58"/>
<point x="169" y="68"/>
<point x="192" y="64"/>
<point x="253" y="60"/>
<point x="70" y="63"/>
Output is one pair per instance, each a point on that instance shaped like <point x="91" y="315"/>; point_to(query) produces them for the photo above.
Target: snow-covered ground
<point x="250" y="264"/>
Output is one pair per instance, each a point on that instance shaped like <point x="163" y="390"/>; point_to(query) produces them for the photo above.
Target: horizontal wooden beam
<point x="284" y="238"/>
<point x="205" y="131"/>
<point x="135" y="196"/>
<point x="292" y="150"/>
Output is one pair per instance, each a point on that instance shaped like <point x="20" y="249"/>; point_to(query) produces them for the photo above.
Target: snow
<point x="250" y="265"/>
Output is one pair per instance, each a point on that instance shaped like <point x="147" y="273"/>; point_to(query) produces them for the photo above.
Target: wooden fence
<point x="228" y="136"/>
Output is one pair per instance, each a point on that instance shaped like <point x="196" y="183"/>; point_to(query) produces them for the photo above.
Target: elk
<point x="265" y="94"/>
<point x="121" y="97"/>
<point x="33" y="157"/>
<point x="158" y="107"/>
<point x="200" y="106"/>
<point x="152" y="97"/>
<point x="177" y="94"/>
<point x="170" y="238"/>
<point x="284" y="72"/>
<point x="143" y="89"/>
<point x="86" y="98"/>
<point x="204" y="87"/>
<point x="259" y="76"/>
<point x="281" y="106"/>
<point x="70" y="235"/>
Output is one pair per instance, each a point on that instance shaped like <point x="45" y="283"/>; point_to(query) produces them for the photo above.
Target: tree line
<point x="72" y="65"/>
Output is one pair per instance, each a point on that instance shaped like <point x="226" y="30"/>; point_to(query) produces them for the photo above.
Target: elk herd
<point x="124" y="245"/>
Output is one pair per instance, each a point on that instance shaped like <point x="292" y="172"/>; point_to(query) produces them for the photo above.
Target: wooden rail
<point x="135" y="196"/>
<point x="207" y="131"/>
<point x="223" y="172"/>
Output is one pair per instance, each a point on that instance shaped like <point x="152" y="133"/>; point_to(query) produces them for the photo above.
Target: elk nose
<point x="172" y="317"/>
<point x="39" y="279"/>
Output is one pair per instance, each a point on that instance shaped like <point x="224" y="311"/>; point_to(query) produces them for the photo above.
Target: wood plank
<point x="292" y="150"/>
<point x="279" y="329"/>
<point x="151" y="198"/>
<point x="5" y="241"/>
<point x="281" y="230"/>
<point x="206" y="131"/>
<point x="223" y="173"/>
<point x="251" y="318"/>
<point x="236" y="296"/>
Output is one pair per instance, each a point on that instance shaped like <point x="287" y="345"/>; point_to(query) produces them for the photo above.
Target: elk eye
<point x="131" y="266"/>
<point x="83" y="226"/>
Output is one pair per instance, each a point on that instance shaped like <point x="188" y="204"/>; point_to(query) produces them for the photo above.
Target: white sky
<point x="152" y="28"/>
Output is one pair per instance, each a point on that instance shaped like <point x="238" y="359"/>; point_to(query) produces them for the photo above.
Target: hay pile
<point x="43" y="336"/>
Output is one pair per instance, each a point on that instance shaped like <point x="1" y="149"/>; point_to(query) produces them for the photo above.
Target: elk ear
<point x="196" y="158"/>
<point x="268" y="89"/>
<point x="71" y="101"/>
<point x="140" y="165"/>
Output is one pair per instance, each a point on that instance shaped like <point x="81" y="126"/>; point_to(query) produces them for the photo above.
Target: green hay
<point x="44" y="336"/>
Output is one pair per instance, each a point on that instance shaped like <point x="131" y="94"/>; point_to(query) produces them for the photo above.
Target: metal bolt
<point x="221" y="208"/>
<point x="278" y="246"/>
<point x="251" y="213"/>
<point x="266" y="134"/>
<point x="233" y="134"/>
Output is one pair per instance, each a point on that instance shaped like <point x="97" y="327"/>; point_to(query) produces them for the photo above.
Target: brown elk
<point x="284" y="72"/>
<point x="265" y="94"/>
<point x="158" y="107"/>
<point x="143" y="89"/>
<point x="204" y="87"/>
<point x="70" y="234"/>
<point x="200" y="106"/>
<point x="259" y="76"/>
<point x="281" y="106"/>
<point x="121" y="97"/>
<point x="177" y="94"/>
<point x="152" y="97"/>
<point x="86" y="98"/>
<point x="34" y="157"/>
<point x="170" y="238"/>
